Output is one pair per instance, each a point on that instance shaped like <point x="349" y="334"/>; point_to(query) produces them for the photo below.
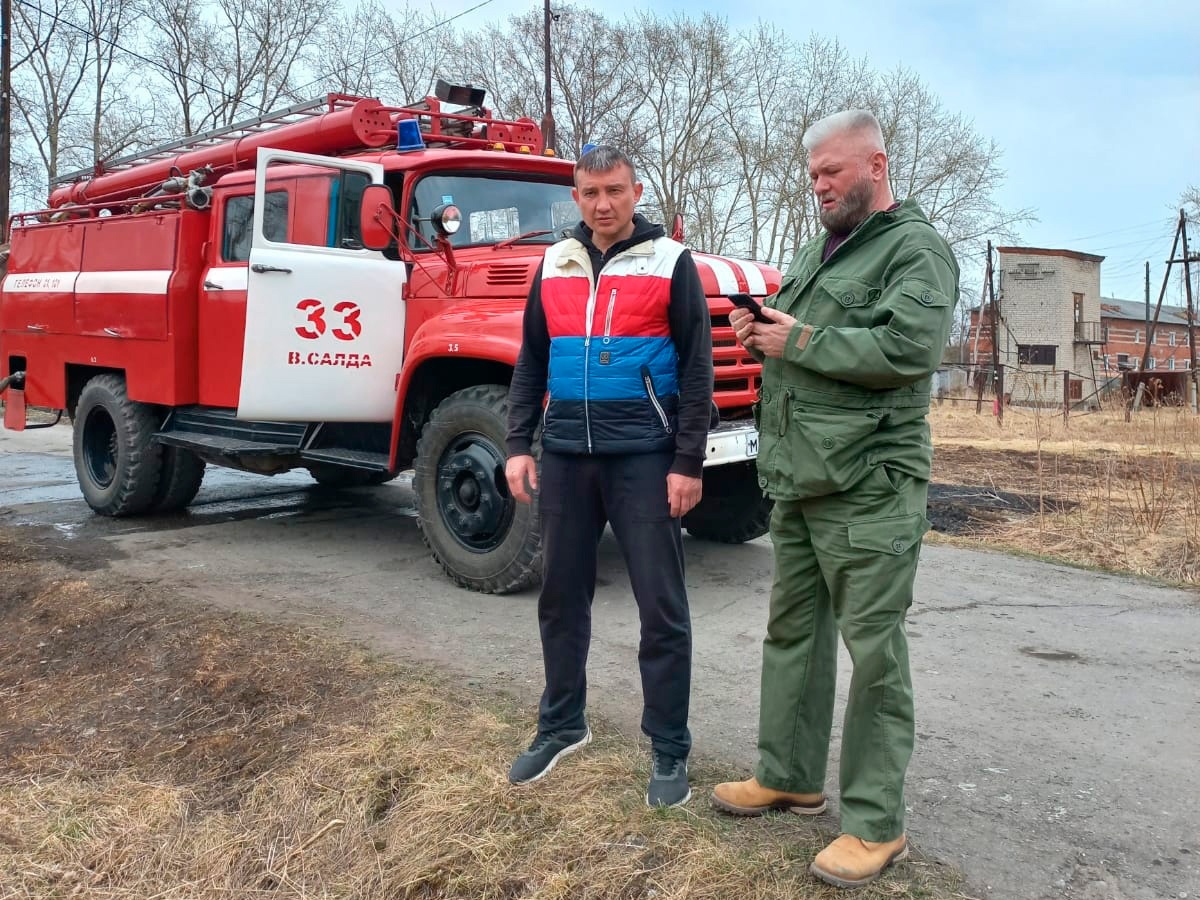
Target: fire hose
<point x="17" y="378"/>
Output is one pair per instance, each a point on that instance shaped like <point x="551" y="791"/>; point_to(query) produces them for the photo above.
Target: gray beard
<point x="852" y="211"/>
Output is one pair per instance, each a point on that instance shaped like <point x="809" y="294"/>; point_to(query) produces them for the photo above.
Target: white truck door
<point x="324" y="316"/>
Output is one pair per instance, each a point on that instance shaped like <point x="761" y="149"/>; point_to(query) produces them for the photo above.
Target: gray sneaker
<point x="545" y="752"/>
<point x="668" y="782"/>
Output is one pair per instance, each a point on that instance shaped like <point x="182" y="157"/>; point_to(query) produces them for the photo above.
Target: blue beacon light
<point x="408" y="135"/>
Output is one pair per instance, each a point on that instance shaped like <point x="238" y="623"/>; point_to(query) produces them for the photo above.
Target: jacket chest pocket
<point x="843" y="300"/>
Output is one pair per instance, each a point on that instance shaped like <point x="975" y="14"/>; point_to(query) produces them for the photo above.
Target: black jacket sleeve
<point x="691" y="330"/>
<point x="528" y="389"/>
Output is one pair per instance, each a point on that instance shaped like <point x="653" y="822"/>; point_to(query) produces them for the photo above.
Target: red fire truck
<point x="336" y="287"/>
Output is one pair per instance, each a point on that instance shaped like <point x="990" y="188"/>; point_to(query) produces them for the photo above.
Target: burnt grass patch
<point x="973" y="509"/>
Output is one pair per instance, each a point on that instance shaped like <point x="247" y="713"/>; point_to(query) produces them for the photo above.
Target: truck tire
<point x="179" y="481"/>
<point x="733" y="509"/>
<point x="117" y="460"/>
<point x="484" y="539"/>
<point x="346" y="476"/>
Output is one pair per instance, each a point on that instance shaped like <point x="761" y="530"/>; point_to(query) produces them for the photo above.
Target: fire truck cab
<point x="337" y="287"/>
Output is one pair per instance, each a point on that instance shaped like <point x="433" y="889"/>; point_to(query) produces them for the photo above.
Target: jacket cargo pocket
<point x="827" y="448"/>
<point x="895" y="535"/>
<point x="925" y="315"/>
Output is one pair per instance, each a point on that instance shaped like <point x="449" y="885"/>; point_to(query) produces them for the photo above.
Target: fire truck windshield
<point x="495" y="207"/>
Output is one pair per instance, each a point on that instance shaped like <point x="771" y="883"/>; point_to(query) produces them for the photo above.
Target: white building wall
<point x="1037" y="307"/>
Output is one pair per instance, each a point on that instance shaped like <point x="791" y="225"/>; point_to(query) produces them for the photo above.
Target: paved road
<point x="1058" y="710"/>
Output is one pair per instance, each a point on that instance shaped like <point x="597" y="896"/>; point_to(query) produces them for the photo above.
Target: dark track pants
<point x="578" y="495"/>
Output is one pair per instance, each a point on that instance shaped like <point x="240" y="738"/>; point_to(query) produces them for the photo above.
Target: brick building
<point x="1053" y="320"/>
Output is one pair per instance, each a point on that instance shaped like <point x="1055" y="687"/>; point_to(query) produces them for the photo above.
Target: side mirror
<point x="375" y="217"/>
<point x="677" y="228"/>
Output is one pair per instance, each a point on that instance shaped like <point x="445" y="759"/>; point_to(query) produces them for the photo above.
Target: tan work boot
<point x="749" y="798"/>
<point x="851" y="862"/>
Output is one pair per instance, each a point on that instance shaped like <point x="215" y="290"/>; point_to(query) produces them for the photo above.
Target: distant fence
<point x="1062" y="389"/>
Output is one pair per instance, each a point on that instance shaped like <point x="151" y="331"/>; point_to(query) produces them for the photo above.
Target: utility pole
<point x="1136" y="400"/>
<point x="1187" y="281"/>
<point x="548" y="117"/>
<point x="1162" y="293"/>
<point x="998" y="372"/>
<point x="5" y="113"/>
<point x="1147" y="298"/>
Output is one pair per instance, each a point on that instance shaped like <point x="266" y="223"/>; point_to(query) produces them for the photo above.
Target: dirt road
<point x="1058" y="710"/>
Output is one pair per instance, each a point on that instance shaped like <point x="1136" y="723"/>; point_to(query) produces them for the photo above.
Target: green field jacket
<point x="852" y="389"/>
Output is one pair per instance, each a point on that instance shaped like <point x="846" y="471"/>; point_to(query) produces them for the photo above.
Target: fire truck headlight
<point x="447" y="218"/>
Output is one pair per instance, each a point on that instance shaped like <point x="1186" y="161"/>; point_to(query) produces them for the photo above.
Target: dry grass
<point x="1105" y="492"/>
<point x="153" y="750"/>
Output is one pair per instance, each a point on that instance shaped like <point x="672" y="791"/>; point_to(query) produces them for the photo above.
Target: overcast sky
<point x="1095" y="104"/>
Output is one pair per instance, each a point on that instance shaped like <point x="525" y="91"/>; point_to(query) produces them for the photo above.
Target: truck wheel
<point x="733" y="509"/>
<point x="179" y="481"/>
<point x="117" y="460"/>
<point x="346" y="477"/>
<point x="484" y="539"/>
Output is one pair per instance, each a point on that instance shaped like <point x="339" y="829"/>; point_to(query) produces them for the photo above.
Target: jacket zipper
<point x="662" y="413"/>
<point x="612" y="301"/>
<point x="587" y="358"/>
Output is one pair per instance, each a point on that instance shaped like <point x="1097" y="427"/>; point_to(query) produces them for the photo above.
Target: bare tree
<point x="269" y="40"/>
<point x="1190" y="201"/>
<point x="348" y="57"/>
<point x="420" y="47"/>
<point x="232" y="59"/>
<point x="937" y="158"/>
<point x="591" y="99"/>
<point x="674" y="133"/>
<point x="184" y="41"/>
<point x="117" y="121"/>
<point x="27" y="179"/>
<point x="503" y="58"/>
<point x="767" y="116"/>
<point x="49" y="71"/>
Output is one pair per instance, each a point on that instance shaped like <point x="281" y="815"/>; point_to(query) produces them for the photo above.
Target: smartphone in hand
<point x="745" y="301"/>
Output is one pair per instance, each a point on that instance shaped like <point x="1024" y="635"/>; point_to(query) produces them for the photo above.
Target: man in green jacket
<point x="856" y="331"/>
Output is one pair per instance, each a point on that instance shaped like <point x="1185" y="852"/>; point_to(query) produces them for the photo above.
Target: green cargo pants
<point x="843" y="563"/>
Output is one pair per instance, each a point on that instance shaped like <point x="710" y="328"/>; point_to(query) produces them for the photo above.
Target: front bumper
<point x="731" y="443"/>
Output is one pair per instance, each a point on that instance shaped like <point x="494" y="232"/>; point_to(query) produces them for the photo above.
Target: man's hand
<point x="742" y="321"/>
<point x="521" y="472"/>
<point x="683" y="493"/>
<point x="769" y="340"/>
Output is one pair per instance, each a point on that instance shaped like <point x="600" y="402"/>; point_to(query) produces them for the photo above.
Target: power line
<point x="1086" y="237"/>
<point x="409" y="39"/>
<point x="222" y="94"/>
<point x="115" y="45"/>
<point x="1161" y="236"/>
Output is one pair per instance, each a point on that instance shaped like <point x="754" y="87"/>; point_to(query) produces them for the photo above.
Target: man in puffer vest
<point x="617" y="340"/>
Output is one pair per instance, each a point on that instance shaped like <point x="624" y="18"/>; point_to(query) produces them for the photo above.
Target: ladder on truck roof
<point x="292" y="114"/>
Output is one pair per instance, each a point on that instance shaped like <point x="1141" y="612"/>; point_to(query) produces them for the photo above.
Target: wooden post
<point x="1066" y="396"/>
<point x="548" y="135"/>
<point x="1187" y="287"/>
<point x="1158" y="307"/>
<point x="999" y="395"/>
<point x="998" y="372"/>
<point x="5" y="114"/>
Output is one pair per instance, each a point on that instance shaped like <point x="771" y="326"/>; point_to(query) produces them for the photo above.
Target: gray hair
<point x="860" y="121"/>
<point x="605" y="158"/>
